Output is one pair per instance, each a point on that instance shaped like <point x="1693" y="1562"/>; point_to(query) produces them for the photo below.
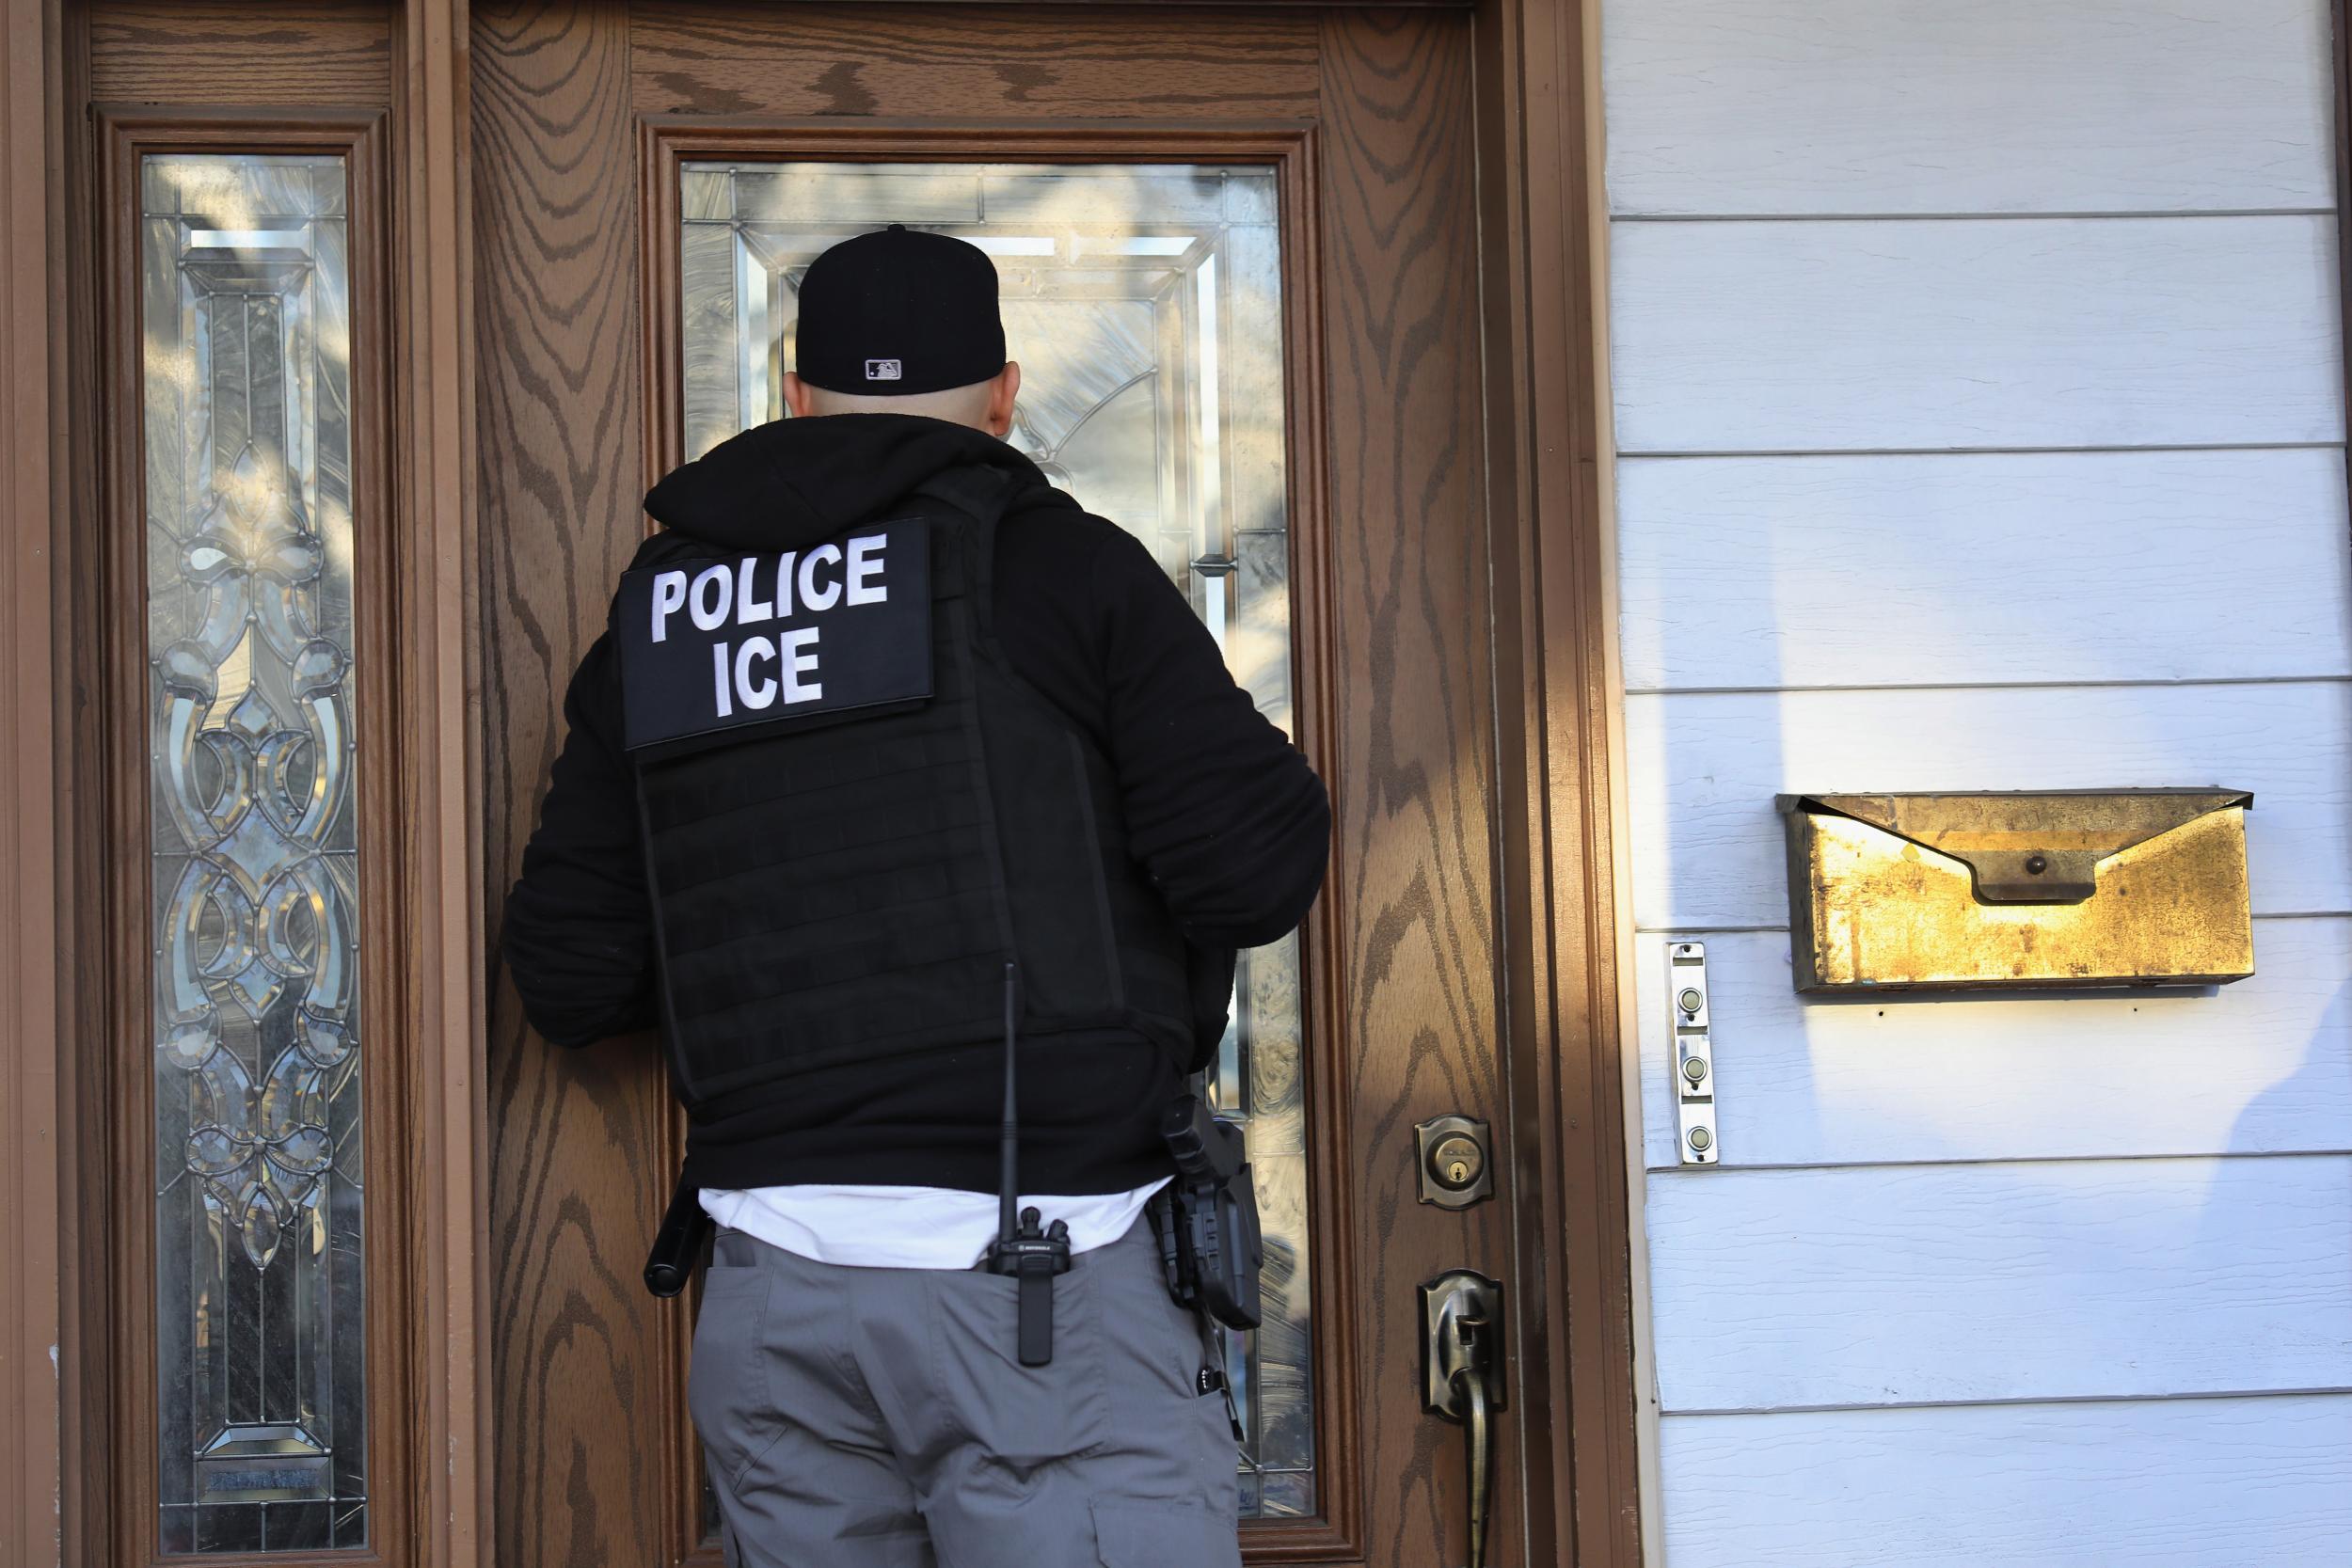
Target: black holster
<point x="1206" y="1219"/>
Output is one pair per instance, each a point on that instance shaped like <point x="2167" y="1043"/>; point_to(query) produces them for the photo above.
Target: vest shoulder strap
<point x="977" y="490"/>
<point x="982" y="494"/>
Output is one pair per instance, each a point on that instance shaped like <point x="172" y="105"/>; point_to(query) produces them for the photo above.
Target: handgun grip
<point x="1201" y="1145"/>
<point x="670" y="1263"/>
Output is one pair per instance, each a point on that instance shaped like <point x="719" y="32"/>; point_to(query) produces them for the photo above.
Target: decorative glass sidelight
<point x="247" y="387"/>
<point x="1144" y="304"/>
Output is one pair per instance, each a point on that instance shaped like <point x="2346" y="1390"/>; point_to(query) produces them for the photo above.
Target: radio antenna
<point x="1008" y="1134"/>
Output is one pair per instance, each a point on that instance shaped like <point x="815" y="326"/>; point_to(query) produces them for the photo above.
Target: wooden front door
<point x="1240" y="253"/>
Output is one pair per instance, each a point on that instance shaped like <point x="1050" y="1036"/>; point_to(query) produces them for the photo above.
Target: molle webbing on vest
<point x="851" y="893"/>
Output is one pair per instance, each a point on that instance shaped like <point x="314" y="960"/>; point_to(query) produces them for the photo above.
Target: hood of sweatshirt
<point x="791" y="483"/>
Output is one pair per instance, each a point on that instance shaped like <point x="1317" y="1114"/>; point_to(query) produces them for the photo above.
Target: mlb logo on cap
<point x="882" y="369"/>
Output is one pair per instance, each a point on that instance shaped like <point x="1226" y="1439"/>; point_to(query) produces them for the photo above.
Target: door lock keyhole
<point x="1454" y="1168"/>
<point x="1456" y="1162"/>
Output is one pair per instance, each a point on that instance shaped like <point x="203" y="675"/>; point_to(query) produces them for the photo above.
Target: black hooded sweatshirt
<point x="1223" y="814"/>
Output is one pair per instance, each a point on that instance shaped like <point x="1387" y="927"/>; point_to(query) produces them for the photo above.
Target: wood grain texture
<point x="440" y="639"/>
<point x="990" y="62"/>
<point x="1414" y="879"/>
<point x="2183" y="1484"/>
<point x="577" y="1371"/>
<point x="84" y="1370"/>
<point x="1557" y="768"/>
<point x="33" y="485"/>
<point x="2038" y="568"/>
<point x="315" y="52"/>
<point x="1963" y="1284"/>
<point x="1802" y="106"/>
<point x="1930" y="334"/>
<point x="2262" y="1067"/>
<point x="1707" y="850"/>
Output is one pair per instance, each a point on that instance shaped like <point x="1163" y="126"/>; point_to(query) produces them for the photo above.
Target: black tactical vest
<point x="846" y="883"/>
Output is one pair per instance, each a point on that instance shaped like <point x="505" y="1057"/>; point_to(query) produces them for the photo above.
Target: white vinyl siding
<point x="2223" y="1483"/>
<point x="1853" y="335"/>
<point x="1967" y="1284"/>
<point x="2031" y="568"/>
<point x="1745" y="107"/>
<point x="1978" y="404"/>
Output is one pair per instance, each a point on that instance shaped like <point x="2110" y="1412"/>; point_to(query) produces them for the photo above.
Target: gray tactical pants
<point x="879" y="1418"/>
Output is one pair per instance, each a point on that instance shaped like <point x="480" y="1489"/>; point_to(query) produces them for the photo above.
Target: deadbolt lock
<point x="1455" y="1170"/>
<point x="1456" y="1162"/>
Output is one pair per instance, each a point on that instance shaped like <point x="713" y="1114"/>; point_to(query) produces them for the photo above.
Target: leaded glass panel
<point x="1144" y="304"/>
<point x="246" y="391"/>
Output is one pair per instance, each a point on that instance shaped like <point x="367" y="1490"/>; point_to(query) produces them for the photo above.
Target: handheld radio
<point x="1030" y="1254"/>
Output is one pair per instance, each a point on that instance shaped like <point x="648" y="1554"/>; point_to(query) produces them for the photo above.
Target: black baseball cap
<point x="898" y="311"/>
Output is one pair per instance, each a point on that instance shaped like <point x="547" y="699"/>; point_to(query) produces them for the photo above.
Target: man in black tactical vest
<point x="892" y="769"/>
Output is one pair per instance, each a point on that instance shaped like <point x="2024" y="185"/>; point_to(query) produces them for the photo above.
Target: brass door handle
<point x="1461" y="1362"/>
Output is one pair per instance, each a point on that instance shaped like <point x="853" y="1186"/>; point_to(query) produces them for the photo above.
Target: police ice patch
<point x="760" y="639"/>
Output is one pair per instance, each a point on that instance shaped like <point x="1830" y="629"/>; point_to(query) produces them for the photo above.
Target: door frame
<point x="1559" y="862"/>
<point x="119" y="679"/>
<point x="61" y="1493"/>
<point x="1563" y="859"/>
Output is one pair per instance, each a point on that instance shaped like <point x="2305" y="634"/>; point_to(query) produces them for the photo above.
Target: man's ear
<point x="796" y="394"/>
<point x="1002" y="395"/>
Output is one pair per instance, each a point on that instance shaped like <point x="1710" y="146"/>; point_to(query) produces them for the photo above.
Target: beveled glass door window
<point x="246" y="388"/>
<point x="1143" y="302"/>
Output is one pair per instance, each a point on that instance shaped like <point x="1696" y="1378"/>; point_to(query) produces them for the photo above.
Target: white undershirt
<point x="907" y="1228"/>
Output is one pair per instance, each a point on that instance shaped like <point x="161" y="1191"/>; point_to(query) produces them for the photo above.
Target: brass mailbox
<point x="2057" y="888"/>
